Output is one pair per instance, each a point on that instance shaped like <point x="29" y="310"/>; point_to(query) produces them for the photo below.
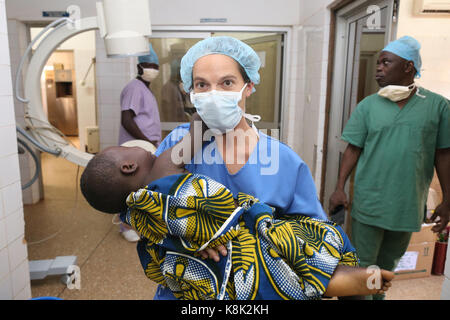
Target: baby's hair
<point x="101" y="186"/>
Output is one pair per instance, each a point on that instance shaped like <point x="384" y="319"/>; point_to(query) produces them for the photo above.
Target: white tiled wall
<point x="112" y="76"/>
<point x="18" y="41"/>
<point x="14" y="271"/>
<point x="311" y="38"/>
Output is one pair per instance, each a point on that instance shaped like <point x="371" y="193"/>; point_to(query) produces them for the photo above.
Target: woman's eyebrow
<point x="229" y="76"/>
<point x="200" y="79"/>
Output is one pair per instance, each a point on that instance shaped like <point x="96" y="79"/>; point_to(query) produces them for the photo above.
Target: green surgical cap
<point x="228" y="46"/>
<point x="407" y="48"/>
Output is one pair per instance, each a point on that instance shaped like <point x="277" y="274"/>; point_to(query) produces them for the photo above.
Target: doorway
<point x="59" y="92"/>
<point x="68" y="86"/>
<point x="362" y="29"/>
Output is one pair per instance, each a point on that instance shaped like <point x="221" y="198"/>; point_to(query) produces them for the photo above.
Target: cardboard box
<point x="424" y="235"/>
<point x="417" y="262"/>
<point x="418" y="258"/>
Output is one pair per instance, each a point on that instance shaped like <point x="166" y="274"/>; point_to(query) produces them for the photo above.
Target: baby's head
<point x="112" y="174"/>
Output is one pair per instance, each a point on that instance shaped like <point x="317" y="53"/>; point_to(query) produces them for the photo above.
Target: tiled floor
<point x="63" y="224"/>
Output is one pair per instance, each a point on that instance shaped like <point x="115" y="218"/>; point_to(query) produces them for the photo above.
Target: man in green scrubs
<point x="396" y="138"/>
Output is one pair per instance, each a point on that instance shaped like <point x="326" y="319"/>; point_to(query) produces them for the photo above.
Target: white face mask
<point x="149" y="74"/>
<point x="396" y="93"/>
<point x="219" y="109"/>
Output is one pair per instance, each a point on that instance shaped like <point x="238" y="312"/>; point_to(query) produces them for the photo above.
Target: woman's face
<point x="219" y="72"/>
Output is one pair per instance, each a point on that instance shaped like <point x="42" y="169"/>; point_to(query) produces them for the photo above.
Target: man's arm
<point x="349" y="161"/>
<point x="127" y="121"/>
<point x="442" y="164"/>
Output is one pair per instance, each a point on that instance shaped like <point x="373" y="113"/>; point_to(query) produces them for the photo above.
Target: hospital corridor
<point x="224" y="150"/>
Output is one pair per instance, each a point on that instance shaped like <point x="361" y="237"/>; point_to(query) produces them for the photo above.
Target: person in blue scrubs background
<point x="221" y="73"/>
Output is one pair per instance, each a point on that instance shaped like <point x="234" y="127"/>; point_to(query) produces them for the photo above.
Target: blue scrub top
<point x="274" y="174"/>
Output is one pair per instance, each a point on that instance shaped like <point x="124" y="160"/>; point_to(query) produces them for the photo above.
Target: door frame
<point x="342" y="13"/>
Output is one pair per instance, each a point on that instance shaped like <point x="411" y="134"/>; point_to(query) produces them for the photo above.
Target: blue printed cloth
<point x="286" y="257"/>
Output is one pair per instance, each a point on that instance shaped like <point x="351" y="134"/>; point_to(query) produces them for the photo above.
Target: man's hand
<point x="338" y="198"/>
<point x="443" y="212"/>
<point x="214" y="253"/>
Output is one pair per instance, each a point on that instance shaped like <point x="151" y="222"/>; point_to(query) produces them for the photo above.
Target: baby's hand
<point x="213" y="253"/>
<point x="387" y="277"/>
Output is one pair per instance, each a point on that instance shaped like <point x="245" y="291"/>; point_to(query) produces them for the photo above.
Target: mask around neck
<point x="396" y="93"/>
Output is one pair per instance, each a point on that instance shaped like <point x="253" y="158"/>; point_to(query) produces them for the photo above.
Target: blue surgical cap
<point x="149" y="58"/>
<point x="407" y="48"/>
<point x="229" y="46"/>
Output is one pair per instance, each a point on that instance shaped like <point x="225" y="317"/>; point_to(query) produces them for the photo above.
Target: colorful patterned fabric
<point x="287" y="257"/>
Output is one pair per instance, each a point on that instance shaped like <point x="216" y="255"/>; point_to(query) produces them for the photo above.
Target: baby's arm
<point x="173" y="160"/>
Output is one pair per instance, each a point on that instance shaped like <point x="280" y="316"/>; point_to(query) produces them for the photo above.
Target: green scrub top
<point x="396" y="164"/>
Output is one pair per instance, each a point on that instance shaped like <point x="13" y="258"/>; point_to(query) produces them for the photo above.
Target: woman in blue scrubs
<point x="221" y="73"/>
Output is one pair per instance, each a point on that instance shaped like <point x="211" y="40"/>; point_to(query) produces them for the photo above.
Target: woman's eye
<point x="200" y="85"/>
<point x="228" y="83"/>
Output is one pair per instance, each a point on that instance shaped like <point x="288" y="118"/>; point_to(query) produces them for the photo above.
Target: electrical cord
<point x="36" y="161"/>
<point x="37" y="144"/>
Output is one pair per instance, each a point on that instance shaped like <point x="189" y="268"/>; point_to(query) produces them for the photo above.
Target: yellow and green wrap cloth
<point x="286" y="257"/>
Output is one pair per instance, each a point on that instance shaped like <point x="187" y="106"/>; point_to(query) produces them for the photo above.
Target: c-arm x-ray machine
<point x="125" y="27"/>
